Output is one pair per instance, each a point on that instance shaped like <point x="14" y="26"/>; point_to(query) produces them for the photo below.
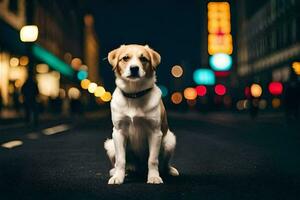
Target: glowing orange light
<point x="76" y="63"/>
<point x="190" y="93"/>
<point x="219" y="28"/>
<point x="24" y="60"/>
<point x="176" y="98"/>
<point x="85" y="83"/>
<point x="256" y="90"/>
<point x="296" y="67"/>
<point x="106" y="97"/>
<point x="276" y="103"/>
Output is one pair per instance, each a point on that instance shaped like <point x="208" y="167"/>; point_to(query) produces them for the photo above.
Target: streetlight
<point x="29" y="33"/>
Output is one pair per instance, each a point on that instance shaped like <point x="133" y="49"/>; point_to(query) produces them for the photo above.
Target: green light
<point x="53" y="61"/>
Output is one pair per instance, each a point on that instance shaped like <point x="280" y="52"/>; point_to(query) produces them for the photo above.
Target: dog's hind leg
<point x="169" y="144"/>
<point x="110" y="151"/>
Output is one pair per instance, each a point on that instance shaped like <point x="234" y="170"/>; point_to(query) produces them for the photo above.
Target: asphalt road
<point x="219" y="156"/>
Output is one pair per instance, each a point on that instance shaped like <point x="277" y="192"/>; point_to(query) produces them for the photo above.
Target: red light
<point x="220" y="89"/>
<point x="221" y="74"/>
<point x="247" y="92"/>
<point x="275" y="88"/>
<point x="201" y="90"/>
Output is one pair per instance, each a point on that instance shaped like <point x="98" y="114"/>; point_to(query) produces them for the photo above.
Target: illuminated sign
<point x="219" y="28"/>
<point x="220" y="62"/>
<point x="52" y="60"/>
<point x="204" y="77"/>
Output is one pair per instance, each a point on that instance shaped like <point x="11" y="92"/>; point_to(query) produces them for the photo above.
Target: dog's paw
<point x="155" y="180"/>
<point x="112" y="171"/>
<point x="116" y="180"/>
<point x="173" y="171"/>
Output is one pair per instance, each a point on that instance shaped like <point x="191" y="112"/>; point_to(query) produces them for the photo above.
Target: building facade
<point x="58" y="51"/>
<point x="268" y="40"/>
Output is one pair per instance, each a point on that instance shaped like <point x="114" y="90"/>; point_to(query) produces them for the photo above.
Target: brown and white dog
<point x="140" y="134"/>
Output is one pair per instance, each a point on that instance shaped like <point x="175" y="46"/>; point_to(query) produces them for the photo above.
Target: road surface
<point x="219" y="156"/>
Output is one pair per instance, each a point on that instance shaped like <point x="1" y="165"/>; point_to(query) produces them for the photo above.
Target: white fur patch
<point x="169" y="141"/>
<point x="110" y="148"/>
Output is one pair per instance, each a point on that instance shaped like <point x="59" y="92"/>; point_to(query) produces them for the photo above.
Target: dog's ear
<point x="155" y="57"/>
<point x="113" y="57"/>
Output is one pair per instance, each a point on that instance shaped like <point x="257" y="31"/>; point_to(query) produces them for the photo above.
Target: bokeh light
<point x="92" y="87"/>
<point x="99" y="91"/>
<point x="106" y="97"/>
<point x="76" y="63"/>
<point x="243" y="104"/>
<point x="201" y="90"/>
<point x="29" y="33"/>
<point x="275" y="88"/>
<point x="220" y="62"/>
<point x="164" y="90"/>
<point x="85" y="83"/>
<point x="296" y="67"/>
<point x="276" y="102"/>
<point x="204" y="77"/>
<point x="82" y="75"/>
<point x="14" y="62"/>
<point x="176" y="98"/>
<point x="177" y="71"/>
<point x="74" y="93"/>
<point x="220" y="89"/>
<point x="190" y="93"/>
<point x="256" y="90"/>
<point x="42" y="68"/>
<point x="24" y="60"/>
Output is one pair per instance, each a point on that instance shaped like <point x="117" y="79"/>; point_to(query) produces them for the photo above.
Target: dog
<point x="141" y="136"/>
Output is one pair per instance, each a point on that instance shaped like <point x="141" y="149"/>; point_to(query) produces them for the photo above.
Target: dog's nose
<point x="134" y="70"/>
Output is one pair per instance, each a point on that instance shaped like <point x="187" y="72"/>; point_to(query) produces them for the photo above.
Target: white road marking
<point x="12" y="144"/>
<point x="56" y="129"/>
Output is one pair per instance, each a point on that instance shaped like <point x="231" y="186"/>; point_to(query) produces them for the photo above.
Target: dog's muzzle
<point x="134" y="72"/>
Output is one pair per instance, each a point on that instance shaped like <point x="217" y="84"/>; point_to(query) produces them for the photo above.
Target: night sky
<point x="173" y="28"/>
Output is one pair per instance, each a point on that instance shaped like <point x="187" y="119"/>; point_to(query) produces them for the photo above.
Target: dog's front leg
<point x="120" y="145"/>
<point x="154" y="148"/>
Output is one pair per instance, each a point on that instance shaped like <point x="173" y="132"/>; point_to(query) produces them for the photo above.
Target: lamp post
<point x="29" y="34"/>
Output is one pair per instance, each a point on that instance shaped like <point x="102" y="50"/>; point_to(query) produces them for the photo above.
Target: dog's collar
<point x="137" y="94"/>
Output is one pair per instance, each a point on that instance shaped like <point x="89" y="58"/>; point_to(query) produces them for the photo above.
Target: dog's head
<point x="134" y="62"/>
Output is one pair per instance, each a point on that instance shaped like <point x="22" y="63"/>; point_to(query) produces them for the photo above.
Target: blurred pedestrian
<point x="16" y="100"/>
<point x="30" y="93"/>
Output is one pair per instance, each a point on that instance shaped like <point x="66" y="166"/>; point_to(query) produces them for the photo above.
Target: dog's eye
<point x="125" y="58"/>
<point x="144" y="59"/>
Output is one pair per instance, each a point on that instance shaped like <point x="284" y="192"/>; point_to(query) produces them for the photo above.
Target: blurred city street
<point x="219" y="155"/>
<point x="226" y="73"/>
